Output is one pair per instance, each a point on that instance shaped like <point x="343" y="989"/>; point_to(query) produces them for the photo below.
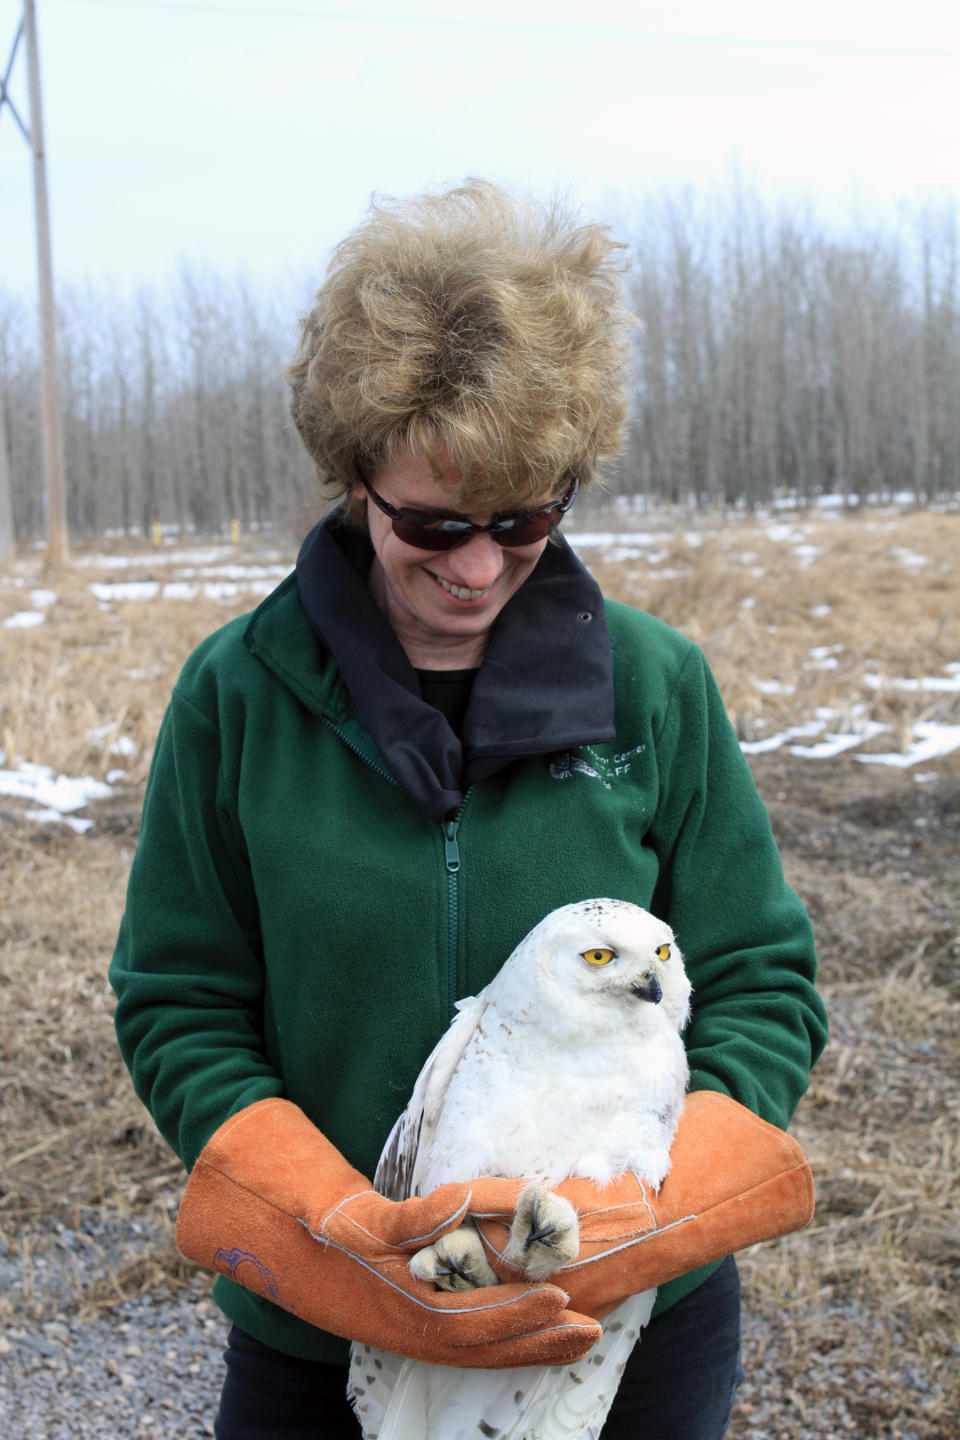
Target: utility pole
<point x="54" y="488"/>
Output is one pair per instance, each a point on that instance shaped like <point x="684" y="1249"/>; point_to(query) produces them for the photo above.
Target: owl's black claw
<point x="537" y="1233"/>
<point x="450" y="1267"/>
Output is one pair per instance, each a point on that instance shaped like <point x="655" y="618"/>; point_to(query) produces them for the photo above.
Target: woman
<point x="365" y="794"/>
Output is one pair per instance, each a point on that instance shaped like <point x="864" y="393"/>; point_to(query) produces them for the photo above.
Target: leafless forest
<point x="772" y="354"/>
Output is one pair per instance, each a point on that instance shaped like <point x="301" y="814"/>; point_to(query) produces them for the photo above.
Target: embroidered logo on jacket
<point x="604" y="768"/>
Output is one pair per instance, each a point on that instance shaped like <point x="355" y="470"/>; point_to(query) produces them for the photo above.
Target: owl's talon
<point x="456" y="1262"/>
<point x="544" y="1235"/>
<point x="538" y="1232"/>
<point x="451" y="1269"/>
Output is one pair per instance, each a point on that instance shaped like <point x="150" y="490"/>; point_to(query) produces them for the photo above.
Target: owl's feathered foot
<point x="544" y="1235"/>
<point x="455" y="1262"/>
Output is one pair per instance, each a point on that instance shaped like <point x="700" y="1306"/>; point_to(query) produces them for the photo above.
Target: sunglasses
<point x="428" y="530"/>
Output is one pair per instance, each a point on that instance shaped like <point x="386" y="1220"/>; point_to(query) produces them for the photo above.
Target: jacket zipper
<point x="451" y="860"/>
<point x="355" y="749"/>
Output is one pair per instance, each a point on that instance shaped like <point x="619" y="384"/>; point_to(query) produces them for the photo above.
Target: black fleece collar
<point x="546" y="682"/>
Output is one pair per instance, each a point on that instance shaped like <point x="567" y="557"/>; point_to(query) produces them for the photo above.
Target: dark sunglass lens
<point x="428" y="536"/>
<point x="524" y="529"/>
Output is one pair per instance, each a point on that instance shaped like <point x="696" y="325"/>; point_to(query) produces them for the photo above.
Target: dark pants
<point x="678" y="1385"/>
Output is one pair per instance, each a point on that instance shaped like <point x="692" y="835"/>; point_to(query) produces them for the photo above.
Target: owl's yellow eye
<point x="599" y="957"/>
<point x="663" y="952"/>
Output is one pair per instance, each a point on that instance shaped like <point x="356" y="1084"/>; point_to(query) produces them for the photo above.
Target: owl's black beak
<point x="648" y="989"/>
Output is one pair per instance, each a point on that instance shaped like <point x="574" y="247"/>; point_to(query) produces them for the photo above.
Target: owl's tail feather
<point x="579" y="1403"/>
<point x="406" y="1414"/>
<point x="434" y="1402"/>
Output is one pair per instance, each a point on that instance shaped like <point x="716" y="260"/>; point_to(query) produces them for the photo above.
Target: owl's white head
<point x="608" y="957"/>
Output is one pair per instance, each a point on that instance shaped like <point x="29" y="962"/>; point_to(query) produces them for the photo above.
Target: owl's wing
<point x="388" y="1393"/>
<point x="398" y="1174"/>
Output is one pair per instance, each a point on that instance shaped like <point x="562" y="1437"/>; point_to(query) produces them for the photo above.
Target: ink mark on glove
<point x="231" y="1263"/>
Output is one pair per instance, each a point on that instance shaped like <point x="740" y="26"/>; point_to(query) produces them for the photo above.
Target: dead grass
<point x="814" y="613"/>
<point x="870" y="1287"/>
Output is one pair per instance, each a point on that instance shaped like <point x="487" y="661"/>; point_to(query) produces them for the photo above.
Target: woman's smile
<point x="459" y="592"/>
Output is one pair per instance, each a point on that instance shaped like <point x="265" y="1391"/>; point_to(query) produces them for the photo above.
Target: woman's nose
<point x="477" y="563"/>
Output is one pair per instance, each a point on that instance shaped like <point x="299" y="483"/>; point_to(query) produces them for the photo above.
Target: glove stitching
<point x="548" y="1330"/>
<point x="411" y="1295"/>
<point x="683" y="1220"/>
<point x="639" y="1237"/>
<point x="441" y="1227"/>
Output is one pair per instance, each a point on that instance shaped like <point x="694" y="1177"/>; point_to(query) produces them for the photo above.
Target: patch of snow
<point x="235" y="572"/>
<point x="613" y="537"/>
<point x="154" y="557"/>
<point x="946" y="684"/>
<point x="53" y="817"/>
<point x="774" y="742"/>
<point x="24" y="620"/>
<point x="121" y="745"/>
<point x="773" y="687"/>
<point x="55" y="792"/>
<point x="929" y="743"/>
<point x="908" y="557"/>
<point x="630" y="552"/>
<point x="133" y="590"/>
<point x="42" y="598"/>
<point x="126" y="590"/>
<point x="823" y="657"/>
<point x="835" y="744"/>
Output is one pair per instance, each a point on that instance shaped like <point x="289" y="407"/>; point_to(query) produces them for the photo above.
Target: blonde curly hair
<point x="470" y="324"/>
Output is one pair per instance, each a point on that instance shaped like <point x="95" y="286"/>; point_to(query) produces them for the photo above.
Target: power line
<point x="295" y="12"/>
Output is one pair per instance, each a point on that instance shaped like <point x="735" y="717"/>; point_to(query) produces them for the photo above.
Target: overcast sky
<point x="250" y="135"/>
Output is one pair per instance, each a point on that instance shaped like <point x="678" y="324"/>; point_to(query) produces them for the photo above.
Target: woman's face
<point x="441" y="603"/>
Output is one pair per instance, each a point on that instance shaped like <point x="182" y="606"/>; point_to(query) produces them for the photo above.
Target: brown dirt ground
<point x="864" y="1303"/>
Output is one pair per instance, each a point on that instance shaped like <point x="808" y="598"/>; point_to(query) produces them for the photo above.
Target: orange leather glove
<point x="271" y="1203"/>
<point x="734" y="1180"/>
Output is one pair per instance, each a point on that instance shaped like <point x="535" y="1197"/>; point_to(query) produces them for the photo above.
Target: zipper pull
<point x="451" y="850"/>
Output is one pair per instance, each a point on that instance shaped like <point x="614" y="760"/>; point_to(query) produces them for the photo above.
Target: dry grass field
<point x="823" y="626"/>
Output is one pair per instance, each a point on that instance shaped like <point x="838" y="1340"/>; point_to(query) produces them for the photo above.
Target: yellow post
<point x="156" y="534"/>
<point x="235" y="531"/>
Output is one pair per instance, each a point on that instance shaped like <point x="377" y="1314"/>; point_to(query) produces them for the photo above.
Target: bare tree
<point x="770" y="357"/>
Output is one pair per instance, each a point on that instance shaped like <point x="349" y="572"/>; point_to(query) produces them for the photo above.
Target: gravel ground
<point x="150" y="1368"/>
<point x="146" y="1370"/>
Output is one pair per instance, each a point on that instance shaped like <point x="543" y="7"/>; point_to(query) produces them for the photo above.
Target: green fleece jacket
<point x="296" y="926"/>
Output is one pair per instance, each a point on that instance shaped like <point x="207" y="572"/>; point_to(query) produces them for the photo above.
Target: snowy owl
<point x="569" y="1063"/>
